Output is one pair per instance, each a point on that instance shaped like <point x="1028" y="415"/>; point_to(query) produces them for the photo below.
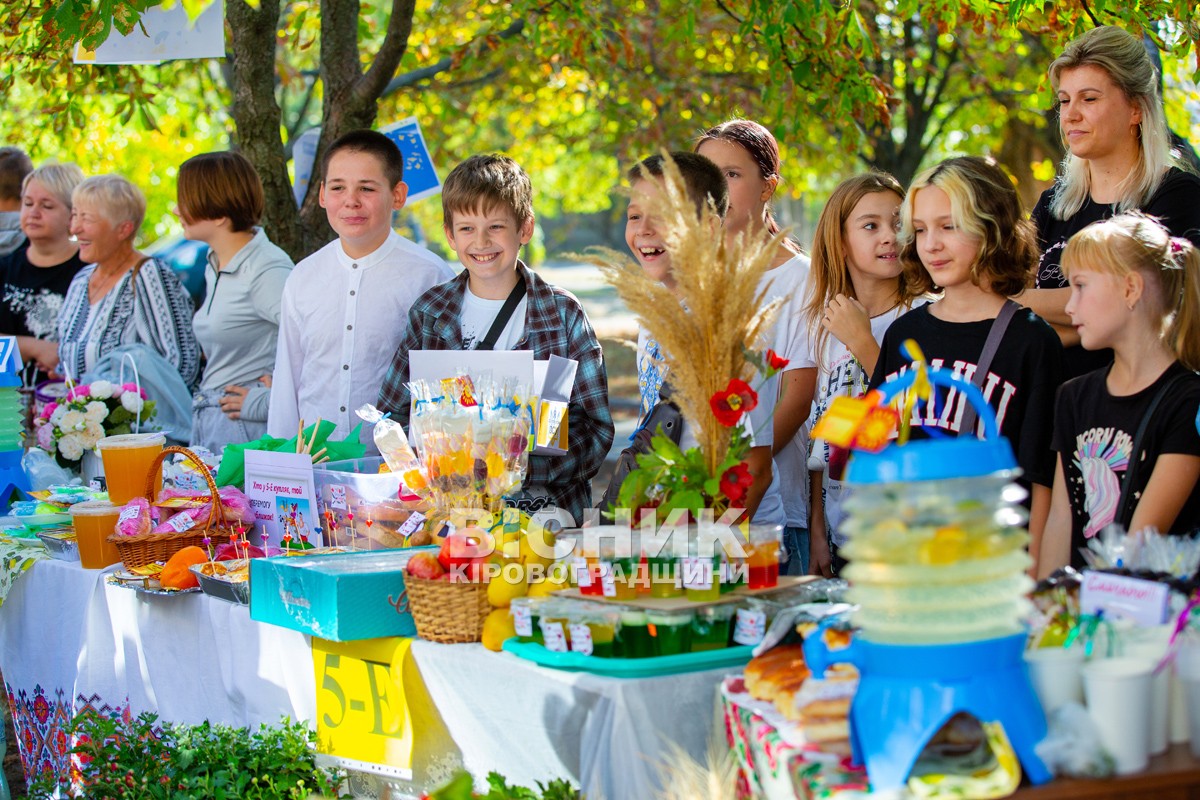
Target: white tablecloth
<point x="531" y="723"/>
<point x="68" y="641"/>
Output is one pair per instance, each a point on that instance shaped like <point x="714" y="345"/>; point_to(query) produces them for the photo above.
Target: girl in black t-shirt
<point x="1135" y="289"/>
<point x="963" y="233"/>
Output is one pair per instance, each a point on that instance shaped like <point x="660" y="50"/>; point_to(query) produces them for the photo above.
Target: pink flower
<point x="81" y="390"/>
<point x="49" y="409"/>
<point x="45" y="438"/>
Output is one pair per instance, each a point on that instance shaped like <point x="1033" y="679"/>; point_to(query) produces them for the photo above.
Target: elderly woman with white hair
<point x="122" y="297"/>
<point x="35" y="277"/>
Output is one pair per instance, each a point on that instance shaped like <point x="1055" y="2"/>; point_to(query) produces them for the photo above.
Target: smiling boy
<point x="497" y="303"/>
<point x="337" y="325"/>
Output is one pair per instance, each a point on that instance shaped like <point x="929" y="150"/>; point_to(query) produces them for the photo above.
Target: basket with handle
<point x="445" y="611"/>
<point x="146" y="548"/>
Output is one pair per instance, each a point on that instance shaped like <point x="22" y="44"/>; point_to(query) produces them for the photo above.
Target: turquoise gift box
<point x="342" y="597"/>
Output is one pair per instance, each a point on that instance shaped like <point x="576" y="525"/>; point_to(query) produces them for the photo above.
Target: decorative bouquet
<point x="709" y="329"/>
<point x="89" y="412"/>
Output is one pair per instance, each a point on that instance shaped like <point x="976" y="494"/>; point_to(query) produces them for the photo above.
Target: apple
<point x="425" y="565"/>
<point x="464" y="546"/>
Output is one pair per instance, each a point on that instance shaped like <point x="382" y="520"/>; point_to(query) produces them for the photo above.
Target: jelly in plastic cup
<point x="710" y="628"/>
<point x="618" y="572"/>
<point x="524" y="611"/>
<point x="633" y="637"/>
<point x="762" y="556"/>
<point x="671" y="631"/>
<point x="664" y="576"/>
<point x="94" y="522"/>
<point x="604" y="627"/>
<point x="127" y="460"/>
<point x="700" y="573"/>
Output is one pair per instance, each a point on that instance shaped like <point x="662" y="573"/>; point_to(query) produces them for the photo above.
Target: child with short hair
<point x="704" y="183"/>
<point x="337" y="326"/>
<point x="1128" y="448"/>
<point x="963" y="233"/>
<point x="487" y="207"/>
<point x="14" y="167"/>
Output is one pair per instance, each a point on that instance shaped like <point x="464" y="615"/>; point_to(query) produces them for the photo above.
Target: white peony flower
<point x="92" y="433"/>
<point x="132" y="403"/>
<point x="101" y="389"/>
<point x="71" y="447"/>
<point x="73" y="421"/>
<point x="96" y="411"/>
<point x="58" y="414"/>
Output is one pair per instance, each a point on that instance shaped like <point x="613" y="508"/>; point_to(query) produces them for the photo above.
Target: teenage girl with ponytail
<point x="1135" y="289"/>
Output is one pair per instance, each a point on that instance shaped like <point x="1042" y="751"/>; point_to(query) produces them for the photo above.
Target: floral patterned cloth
<point x="774" y="761"/>
<point x="16" y="556"/>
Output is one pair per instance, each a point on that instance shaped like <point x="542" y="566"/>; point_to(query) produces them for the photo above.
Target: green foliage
<point x="461" y="787"/>
<point x="139" y="758"/>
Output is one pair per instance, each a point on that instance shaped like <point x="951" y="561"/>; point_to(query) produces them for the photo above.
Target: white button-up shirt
<point x="341" y="322"/>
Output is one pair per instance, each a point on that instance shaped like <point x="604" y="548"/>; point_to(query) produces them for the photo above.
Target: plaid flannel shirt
<point x="556" y="324"/>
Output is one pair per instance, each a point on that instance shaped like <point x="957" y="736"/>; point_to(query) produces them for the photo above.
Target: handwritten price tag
<point x="1142" y="601"/>
<point x="579" y="572"/>
<point x="750" y="627"/>
<point x="522" y="620"/>
<point x="697" y="573"/>
<point x="581" y="639"/>
<point x="554" y="637"/>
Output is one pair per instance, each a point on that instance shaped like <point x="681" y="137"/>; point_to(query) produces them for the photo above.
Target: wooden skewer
<point x="317" y="455"/>
<point x="299" y="436"/>
<point x="321" y="460"/>
<point x="308" y="446"/>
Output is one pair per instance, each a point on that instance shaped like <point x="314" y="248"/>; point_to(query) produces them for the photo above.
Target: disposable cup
<point x="127" y="460"/>
<point x="1187" y="664"/>
<point x="1056" y="674"/>
<point x="1160" y="692"/>
<point x="94" y="521"/>
<point x="1118" y="700"/>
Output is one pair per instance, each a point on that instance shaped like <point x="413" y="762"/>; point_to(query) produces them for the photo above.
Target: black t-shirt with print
<point x="33" y="296"/>
<point x="1176" y="204"/>
<point x="1022" y="380"/>
<point x="1093" y="433"/>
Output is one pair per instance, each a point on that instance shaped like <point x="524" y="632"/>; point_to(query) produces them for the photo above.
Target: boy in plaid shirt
<point x="487" y="208"/>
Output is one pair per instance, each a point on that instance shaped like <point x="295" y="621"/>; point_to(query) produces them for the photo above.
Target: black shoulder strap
<point x="503" y="315"/>
<point x="1124" y="514"/>
<point x="990" y="347"/>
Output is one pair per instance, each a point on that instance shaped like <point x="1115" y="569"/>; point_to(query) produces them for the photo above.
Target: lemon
<point x="549" y="585"/>
<point x="508" y="584"/>
<point x="537" y="547"/>
<point x="496" y="628"/>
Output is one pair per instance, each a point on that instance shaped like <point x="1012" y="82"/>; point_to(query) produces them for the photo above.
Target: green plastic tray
<point x="630" y="667"/>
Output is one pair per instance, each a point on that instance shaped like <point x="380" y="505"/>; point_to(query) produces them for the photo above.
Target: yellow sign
<point x="363" y="720"/>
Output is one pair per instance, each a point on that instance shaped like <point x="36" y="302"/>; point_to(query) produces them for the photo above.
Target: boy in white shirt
<point x="344" y="305"/>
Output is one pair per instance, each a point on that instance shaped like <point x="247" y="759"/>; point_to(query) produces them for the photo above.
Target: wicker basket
<point x="146" y="548"/>
<point x="446" y="612"/>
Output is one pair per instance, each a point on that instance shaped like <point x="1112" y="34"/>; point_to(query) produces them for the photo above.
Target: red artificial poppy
<point x="736" y="399"/>
<point x="776" y="362"/>
<point x="736" y="482"/>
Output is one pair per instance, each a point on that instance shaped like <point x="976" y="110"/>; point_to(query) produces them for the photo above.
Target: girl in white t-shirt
<point x="858" y="290"/>
<point x="748" y="156"/>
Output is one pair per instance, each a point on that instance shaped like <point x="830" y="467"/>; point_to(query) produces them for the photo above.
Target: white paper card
<point x="750" y="627"/>
<point x="581" y="639"/>
<point x="554" y="637"/>
<point x="522" y="620"/>
<point x="696" y="573"/>
<point x="279" y="487"/>
<point x="165" y="34"/>
<point x="1142" y="601"/>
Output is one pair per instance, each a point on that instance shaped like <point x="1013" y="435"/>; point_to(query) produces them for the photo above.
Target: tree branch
<point x="729" y="13"/>
<point x="425" y="73"/>
<point x="387" y="58"/>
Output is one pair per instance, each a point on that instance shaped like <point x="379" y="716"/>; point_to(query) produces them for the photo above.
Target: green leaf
<point x="689" y="499"/>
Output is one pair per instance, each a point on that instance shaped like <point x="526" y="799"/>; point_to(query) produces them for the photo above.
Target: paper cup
<point x="1160" y="692"/>
<point x="1187" y="666"/>
<point x="1118" y="700"/>
<point x="1055" y="673"/>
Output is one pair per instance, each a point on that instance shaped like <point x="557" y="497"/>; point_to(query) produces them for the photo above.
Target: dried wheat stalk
<point x="715" y="312"/>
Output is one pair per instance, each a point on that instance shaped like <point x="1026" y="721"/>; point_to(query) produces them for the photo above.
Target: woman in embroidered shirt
<point x="122" y="297"/>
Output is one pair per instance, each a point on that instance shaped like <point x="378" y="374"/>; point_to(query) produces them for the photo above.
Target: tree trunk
<point x="257" y="117"/>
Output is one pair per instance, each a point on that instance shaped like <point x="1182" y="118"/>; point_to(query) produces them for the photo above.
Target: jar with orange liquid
<point x="94" y="521"/>
<point x="127" y="460"/>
